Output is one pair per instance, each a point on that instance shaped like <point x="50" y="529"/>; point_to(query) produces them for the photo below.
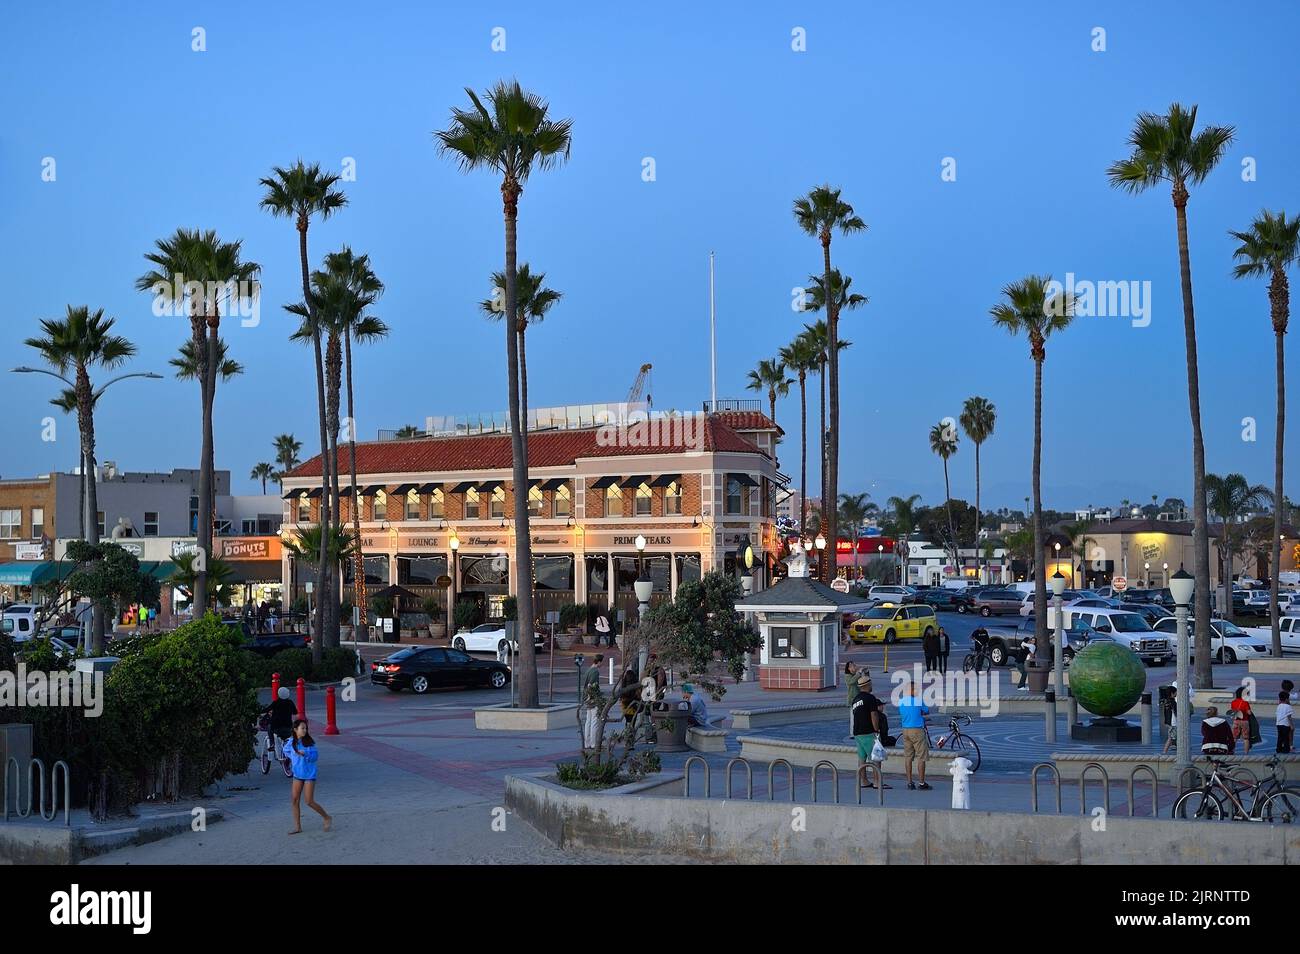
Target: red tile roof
<point x="748" y="421"/>
<point x="435" y="455"/>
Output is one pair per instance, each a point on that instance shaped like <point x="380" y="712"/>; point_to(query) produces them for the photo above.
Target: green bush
<point x="295" y="664"/>
<point x="511" y="607"/>
<point x="432" y="607"/>
<point x="467" y="615"/>
<point x="572" y="614"/>
<point x="589" y="774"/>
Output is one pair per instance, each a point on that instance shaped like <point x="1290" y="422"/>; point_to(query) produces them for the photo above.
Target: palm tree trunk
<point x="359" y="563"/>
<point x="1200" y="515"/>
<point x="833" y="452"/>
<point x="821" y="444"/>
<point x="1040" y="579"/>
<point x="333" y="375"/>
<point x="523" y="568"/>
<point x="1278" y="497"/>
<point x="952" y="527"/>
<point x="979" y="570"/>
<point x="86" y="424"/>
<point x="322" y="564"/>
<point x="803" y="456"/>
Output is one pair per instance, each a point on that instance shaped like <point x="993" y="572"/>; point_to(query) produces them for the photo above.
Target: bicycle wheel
<point x="1281" y="807"/>
<point x="966" y="748"/>
<point x="968" y="663"/>
<point x="266" y="761"/>
<point x="1201" y="804"/>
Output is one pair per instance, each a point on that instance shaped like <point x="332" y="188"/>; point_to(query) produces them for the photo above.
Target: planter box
<point x="438" y="630"/>
<point x="542" y="719"/>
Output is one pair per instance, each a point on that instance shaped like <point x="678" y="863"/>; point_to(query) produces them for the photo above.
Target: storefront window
<point x="484" y="571"/>
<point x="553" y="572"/>
<point x="471" y="504"/>
<point x="688" y="568"/>
<point x="420" y="570"/>
<point x="659" y="569"/>
<point x="643" y="500"/>
<point x="625" y="573"/>
<point x="597" y="578"/>
<point x="376" y="570"/>
<point x="412" y="505"/>
<point x="536" y="501"/>
<point x="789" y="642"/>
<point x="436" y="504"/>
<point x="498" y="502"/>
<point x="561" y="502"/>
<point x="381" y="505"/>
<point x="673" y="498"/>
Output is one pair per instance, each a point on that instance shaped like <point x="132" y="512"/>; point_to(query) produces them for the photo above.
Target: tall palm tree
<point x="195" y="269"/>
<point x="769" y="376"/>
<point x="1268" y="248"/>
<point x="800" y="356"/>
<point x="1028" y="308"/>
<point x="76" y="343"/>
<point x="904" y="520"/>
<point x="978" y="418"/>
<point x="819" y="340"/>
<point x="298" y="193"/>
<point x="287" y="448"/>
<point x="1168" y="149"/>
<point x="943" y="441"/>
<point x="1228" y="498"/>
<point x="262" y="471"/>
<point x="532" y="301"/>
<point x="821" y="213"/>
<point x="187" y="363"/>
<point x="511" y="134"/>
<point x="853" y="511"/>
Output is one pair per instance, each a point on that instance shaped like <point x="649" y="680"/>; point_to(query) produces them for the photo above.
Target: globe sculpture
<point x="1107" y="678"/>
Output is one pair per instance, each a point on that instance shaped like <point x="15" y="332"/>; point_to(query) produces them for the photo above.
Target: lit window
<point x="471" y="504"/>
<point x="498" y="505"/>
<point x="613" y="501"/>
<point x="673" y="498"/>
<point x="643" y="500"/>
<point x="561" y="502"/>
<point x="436" y="503"/>
<point x="536" y="501"/>
<point x="304" y="508"/>
<point x="412" y="505"/>
<point x="381" y="505"/>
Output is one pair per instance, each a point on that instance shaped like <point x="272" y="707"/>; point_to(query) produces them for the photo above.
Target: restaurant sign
<point x="29" y="551"/>
<point x="250" y="548"/>
<point x="182" y="547"/>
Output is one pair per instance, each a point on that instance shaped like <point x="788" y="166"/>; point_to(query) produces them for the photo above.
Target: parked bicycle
<point x="1226" y="792"/>
<point x="959" y="742"/>
<point x="270" y="750"/>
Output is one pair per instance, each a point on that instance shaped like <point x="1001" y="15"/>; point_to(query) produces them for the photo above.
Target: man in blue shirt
<point x="916" y="743"/>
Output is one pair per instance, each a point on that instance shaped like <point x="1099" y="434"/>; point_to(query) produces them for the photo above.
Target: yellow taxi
<point x="889" y="622"/>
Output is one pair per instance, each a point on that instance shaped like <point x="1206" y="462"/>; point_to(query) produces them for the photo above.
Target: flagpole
<point x="713" y="343"/>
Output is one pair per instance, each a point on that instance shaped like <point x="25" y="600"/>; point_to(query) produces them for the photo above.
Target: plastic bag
<point x="878" y="753"/>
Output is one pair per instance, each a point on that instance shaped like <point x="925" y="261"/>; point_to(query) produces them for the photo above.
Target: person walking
<point x="301" y="752"/>
<point x="916" y="741"/>
<point x="1285" y="723"/>
<point x="603" y="630"/>
<point x="945" y="647"/>
<point x="868" y="725"/>
<point x="930" y="646"/>
<point x="1244" y="724"/>
<point x="590" y="693"/>
<point x="1023" y="655"/>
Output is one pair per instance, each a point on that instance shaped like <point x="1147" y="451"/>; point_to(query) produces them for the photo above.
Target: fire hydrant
<point x="960" y="769"/>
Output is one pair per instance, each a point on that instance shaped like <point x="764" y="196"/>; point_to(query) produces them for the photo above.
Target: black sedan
<point x="432" y="667"/>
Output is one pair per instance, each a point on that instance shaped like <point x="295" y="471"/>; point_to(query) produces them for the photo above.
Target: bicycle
<point x="1270" y="800"/>
<point x="978" y="659"/>
<point x="957" y="741"/>
<point x="270" y="751"/>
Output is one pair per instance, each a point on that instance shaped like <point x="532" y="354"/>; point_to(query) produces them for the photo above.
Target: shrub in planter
<point x="511" y="607"/>
<point x="466" y="616"/>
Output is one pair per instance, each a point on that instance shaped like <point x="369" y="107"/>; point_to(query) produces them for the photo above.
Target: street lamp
<point x="1146" y="574"/>
<point x="1058" y="650"/>
<point x="820" y="543"/>
<point x="1166" y="574"/>
<point x="454" y="543"/>
<point x="1182" y="585"/>
<point x="747" y="588"/>
<point x="644" y="587"/>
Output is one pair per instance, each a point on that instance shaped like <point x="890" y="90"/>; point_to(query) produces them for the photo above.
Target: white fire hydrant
<point x="960" y="769"/>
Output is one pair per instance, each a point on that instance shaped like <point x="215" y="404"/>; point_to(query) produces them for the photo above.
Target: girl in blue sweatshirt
<point x="301" y="752"/>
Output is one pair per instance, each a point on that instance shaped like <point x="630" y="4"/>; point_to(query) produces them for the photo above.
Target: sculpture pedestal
<point x="1106" y="730"/>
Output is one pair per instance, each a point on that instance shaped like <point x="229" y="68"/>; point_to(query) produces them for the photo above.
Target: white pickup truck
<point x="1290" y="627"/>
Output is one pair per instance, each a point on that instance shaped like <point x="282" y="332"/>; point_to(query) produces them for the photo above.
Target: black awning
<point x="371" y="490"/>
<point x="745" y="479"/>
<point x="429" y="488"/>
<point x="555" y="483"/>
<point x="488" y="486"/>
<point x="314" y="493"/>
<point x="631" y="483"/>
<point x="603" y="482"/>
<point x="404" y="489"/>
<point x="463" y="486"/>
<point x="663" y="480"/>
<point x="289" y="494"/>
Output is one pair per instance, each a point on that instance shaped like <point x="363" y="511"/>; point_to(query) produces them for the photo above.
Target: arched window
<point x="613" y="501"/>
<point x="304" y="508"/>
<point x="561" y="502"/>
<point x="643" y="497"/>
<point x="673" y="498"/>
<point x="412" y="505"/>
<point x="498" y="502"/>
<point x="436" y="503"/>
<point x="381" y="505"/>
<point x="536" y="501"/>
<point x="471" y="504"/>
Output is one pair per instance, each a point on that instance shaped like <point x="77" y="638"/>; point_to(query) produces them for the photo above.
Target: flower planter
<point x="438" y="630"/>
<point x="674" y="740"/>
<point x="563" y="640"/>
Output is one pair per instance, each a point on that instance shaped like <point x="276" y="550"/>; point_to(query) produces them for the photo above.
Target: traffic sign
<point x="1120" y="583"/>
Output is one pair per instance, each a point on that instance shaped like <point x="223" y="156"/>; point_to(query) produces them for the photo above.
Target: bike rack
<point x="749" y="777"/>
<point x="1033" y="785"/>
<point x="789" y="775"/>
<point x="686" y="770"/>
<point x="1083" y="787"/>
<point x="1195" y="772"/>
<point x="1155" y="788"/>
<point x="835" y="779"/>
<point x="40" y="802"/>
<point x="879" y="780"/>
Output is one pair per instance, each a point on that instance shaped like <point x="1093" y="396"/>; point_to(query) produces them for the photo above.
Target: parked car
<point x="1126" y="628"/>
<point x="422" y="668"/>
<point x="490" y="638"/>
<point x="1151" y="612"/>
<point x="64" y="651"/>
<point x="1100" y="602"/>
<point x="1004" y="641"/>
<point x="889" y="623"/>
<point x="893" y="594"/>
<point x="1257" y="603"/>
<point x="1289" y="627"/>
<point x="1161" y="596"/>
<point x="998" y="602"/>
<point x="946" y="599"/>
<point x="19" y="620"/>
<point x="1229" y="643"/>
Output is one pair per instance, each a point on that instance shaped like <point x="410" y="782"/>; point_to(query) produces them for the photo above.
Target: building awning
<point x="488" y="486"/>
<point x="290" y="494"/>
<point x="403" y="489"/>
<point x="463" y="486"/>
<point x="371" y="490"/>
<point x="555" y="483"/>
<point x="34" y="572"/>
<point x="603" y="482"/>
<point x="159" y="569"/>
<point x="254" y="571"/>
<point x="663" y="480"/>
<point x="744" y="479"/>
<point x="631" y="483"/>
<point x="430" y="488"/>
<point x="314" y="493"/>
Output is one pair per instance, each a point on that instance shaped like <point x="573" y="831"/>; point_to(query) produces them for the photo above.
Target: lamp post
<point x="644" y="587"/>
<point x="1146" y="574"/>
<point x="454" y="543"/>
<point x="1183" y="585"/>
<point x="880" y="551"/>
<point x="747" y="588"/>
<point x="1058" y="641"/>
<point x="1165" y="577"/>
<point x="820" y="543"/>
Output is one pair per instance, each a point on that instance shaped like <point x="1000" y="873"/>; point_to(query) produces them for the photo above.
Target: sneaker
<point x="911" y="785"/>
<point x="924" y="786"/>
<point x="1022" y="688"/>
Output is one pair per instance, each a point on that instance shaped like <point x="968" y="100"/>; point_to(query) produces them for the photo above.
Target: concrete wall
<point x="764" y="832"/>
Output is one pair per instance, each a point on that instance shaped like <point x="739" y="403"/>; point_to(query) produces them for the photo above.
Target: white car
<point x="1289" y="627"/>
<point x="1228" y="644"/>
<point x="892" y="594"/>
<point x="19" y="620"/>
<point x="489" y="638"/>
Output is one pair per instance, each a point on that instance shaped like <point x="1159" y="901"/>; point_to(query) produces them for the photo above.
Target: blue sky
<point x="148" y="135"/>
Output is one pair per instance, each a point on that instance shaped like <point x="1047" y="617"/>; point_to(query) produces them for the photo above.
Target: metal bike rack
<point x="879" y="780"/>
<point x="1195" y="773"/>
<point x="686" y="770"/>
<point x="1155" y="788"/>
<point x="835" y="779"/>
<point x="1033" y="785"/>
<point x="39" y="766"/>
<point x="789" y="775"/>
<point x="1083" y="787"/>
<point x="749" y="777"/>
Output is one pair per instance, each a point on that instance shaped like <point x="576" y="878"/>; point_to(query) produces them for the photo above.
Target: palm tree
<point x="1228" y="498"/>
<point x="1269" y="247"/>
<point x="196" y="269"/>
<point x="800" y="356"/>
<point x="769" y="376"/>
<point x="943" y="441"/>
<point x="300" y="192"/>
<point x="1167" y="149"/>
<point x="76" y="343"/>
<point x="904" y="520"/>
<point x="819" y="340"/>
<point x="287" y="448"/>
<point x="511" y="135"/>
<point x="978" y="418"/>
<point x="263" y="472"/>
<point x="853" y="511"/>
<point x="1028" y="308"/>
<point x="532" y="301"/>
<point x="821" y="213"/>
<point x="187" y="363"/>
<point x="217" y="573"/>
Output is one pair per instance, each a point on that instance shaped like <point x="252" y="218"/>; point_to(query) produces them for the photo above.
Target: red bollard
<point x="275" y="686"/>
<point x="331" y="716"/>
<point x="302" y="698"/>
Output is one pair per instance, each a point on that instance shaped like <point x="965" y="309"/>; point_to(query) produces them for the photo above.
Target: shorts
<point x="916" y="745"/>
<point x="865" y="744"/>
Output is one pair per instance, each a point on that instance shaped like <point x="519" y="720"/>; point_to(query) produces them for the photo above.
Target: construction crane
<point x="638" y="385"/>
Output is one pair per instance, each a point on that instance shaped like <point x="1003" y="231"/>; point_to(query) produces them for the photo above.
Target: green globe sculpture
<point x="1107" y="678"/>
